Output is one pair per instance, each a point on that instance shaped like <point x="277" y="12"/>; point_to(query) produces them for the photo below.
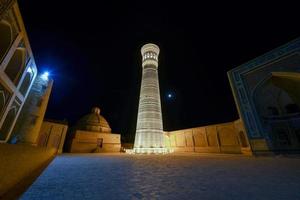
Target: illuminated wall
<point x="52" y="134"/>
<point x="149" y="136"/>
<point x="217" y="138"/>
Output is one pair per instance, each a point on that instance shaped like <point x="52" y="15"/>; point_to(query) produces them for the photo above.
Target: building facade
<point x="17" y="67"/>
<point x="267" y="94"/>
<point x="149" y="136"/>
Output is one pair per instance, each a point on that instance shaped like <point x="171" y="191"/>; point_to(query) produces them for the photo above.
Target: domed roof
<point x="94" y="122"/>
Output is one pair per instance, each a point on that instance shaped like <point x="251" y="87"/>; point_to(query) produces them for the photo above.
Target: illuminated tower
<point x="149" y="136"/>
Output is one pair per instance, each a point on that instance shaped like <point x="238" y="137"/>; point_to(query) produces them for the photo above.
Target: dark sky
<point x="92" y="51"/>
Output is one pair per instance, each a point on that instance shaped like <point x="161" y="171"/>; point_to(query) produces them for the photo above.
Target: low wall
<point x="219" y="138"/>
<point x="19" y="163"/>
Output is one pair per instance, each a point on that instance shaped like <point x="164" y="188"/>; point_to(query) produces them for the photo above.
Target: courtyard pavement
<point x="98" y="176"/>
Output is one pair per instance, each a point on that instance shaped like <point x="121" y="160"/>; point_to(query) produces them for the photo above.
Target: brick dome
<point x="94" y="122"/>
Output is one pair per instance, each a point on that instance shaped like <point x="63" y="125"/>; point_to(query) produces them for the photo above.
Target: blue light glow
<point x="45" y="76"/>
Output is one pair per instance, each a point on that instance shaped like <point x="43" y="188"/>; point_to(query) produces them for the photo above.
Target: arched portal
<point x="5" y="38"/>
<point x="277" y="100"/>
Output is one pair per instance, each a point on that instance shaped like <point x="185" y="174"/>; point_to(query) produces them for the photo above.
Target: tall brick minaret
<point x="149" y="136"/>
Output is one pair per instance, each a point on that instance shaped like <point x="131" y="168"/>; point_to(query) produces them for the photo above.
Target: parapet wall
<point x="218" y="138"/>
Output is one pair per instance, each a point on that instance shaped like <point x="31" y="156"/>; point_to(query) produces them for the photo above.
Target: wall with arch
<point x="17" y="68"/>
<point x="218" y="138"/>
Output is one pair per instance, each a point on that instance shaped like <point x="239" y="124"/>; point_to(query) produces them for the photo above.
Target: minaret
<point x="149" y="136"/>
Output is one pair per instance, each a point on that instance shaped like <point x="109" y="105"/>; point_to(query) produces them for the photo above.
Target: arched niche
<point x="4" y="99"/>
<point x="289" y="82"/>
<point x="243" y="139"/>
<point x="270" y="100"/>
<point x="5" y="38"/>
<point x="8" y="122"/>
<point x="16" y="65"/>
<point x="26" y="81"/>
<point x="227" y="136"/>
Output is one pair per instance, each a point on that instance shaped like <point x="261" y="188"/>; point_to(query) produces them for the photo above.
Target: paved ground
<point x="167" y="177"/>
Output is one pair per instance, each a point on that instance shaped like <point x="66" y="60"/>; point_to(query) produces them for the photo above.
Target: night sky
<point x="92" y="52"/>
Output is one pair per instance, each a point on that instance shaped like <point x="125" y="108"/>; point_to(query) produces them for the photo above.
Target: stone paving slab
<point x="112" y="176"/>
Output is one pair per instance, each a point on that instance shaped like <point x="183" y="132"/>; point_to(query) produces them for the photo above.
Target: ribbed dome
<point x="94" y="122"/>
